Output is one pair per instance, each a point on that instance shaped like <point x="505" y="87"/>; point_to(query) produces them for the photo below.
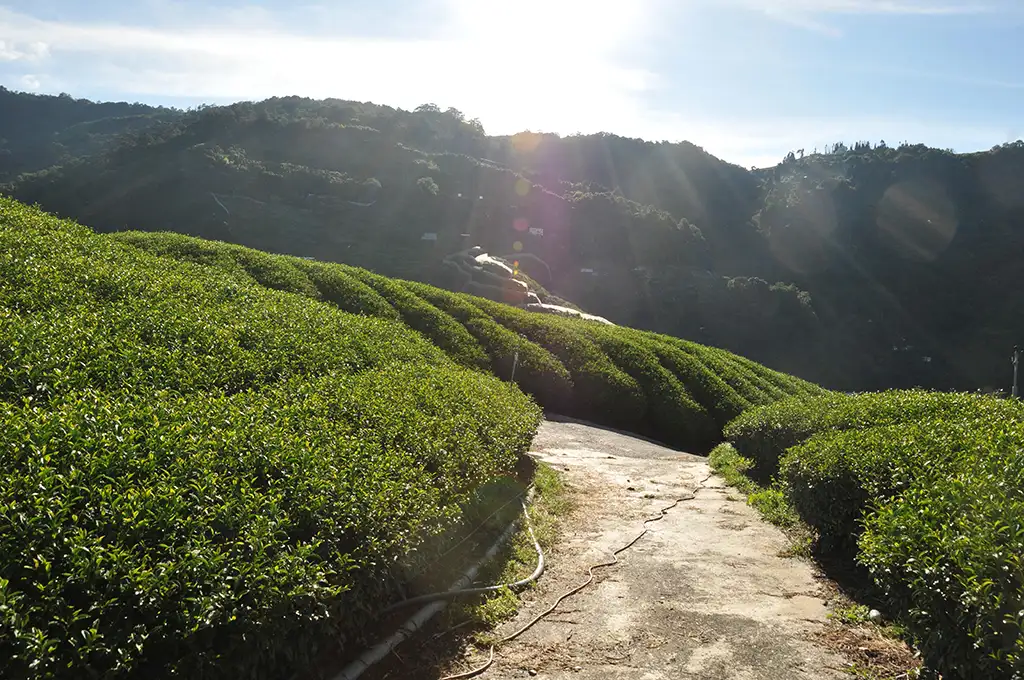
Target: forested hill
<point x="862" y="266"/>
<point x="38" y="131"/>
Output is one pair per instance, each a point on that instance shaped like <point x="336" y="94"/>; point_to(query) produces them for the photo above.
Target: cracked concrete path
<point x="705" y="594"/>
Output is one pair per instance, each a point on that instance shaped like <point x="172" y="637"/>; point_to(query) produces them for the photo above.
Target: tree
<point x="428" y="184"/>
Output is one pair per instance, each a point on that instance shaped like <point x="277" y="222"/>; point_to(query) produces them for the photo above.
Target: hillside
<point x="855" y="268"/>
<point x="38" y="131"/>
<point x="220" y="463"/>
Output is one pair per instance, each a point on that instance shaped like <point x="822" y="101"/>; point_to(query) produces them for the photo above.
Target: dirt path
<point x="704" y="594"/>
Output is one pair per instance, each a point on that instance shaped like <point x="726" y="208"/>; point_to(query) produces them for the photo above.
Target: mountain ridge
<point x="853" y="268"/>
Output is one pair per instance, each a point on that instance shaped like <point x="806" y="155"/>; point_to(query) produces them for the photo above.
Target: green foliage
<point x="208" y="478"/>
<point x="221" y="536"/>
<point x="80" y="310"/>
<point x="835" y="477"/>
<point x="661" y="386"/>
<point x="950" y="553"/>
<point x="345" y="291"/>
<point x="538" y="372"/>
<point x="764" y="434"/>
<point x="672" y="414"/>
<point x="743" y="382"/>
<point x="601" y="391"/>
<point x="242" y="263"/>
<point x="771" y="502"/>
<point x="721" y="401"/>
<point x="925" y="488"/>
<point x="440" y="328"/>
<point x="808" y="266"/>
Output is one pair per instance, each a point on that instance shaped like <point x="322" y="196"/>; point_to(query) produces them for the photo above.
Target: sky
<point x="748" y="80"/>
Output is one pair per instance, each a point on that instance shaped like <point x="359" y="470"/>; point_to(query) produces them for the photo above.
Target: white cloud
<point x="912" y="7"/>
<point x="553" y="65"/>
<point x="26" y="51"/>
<point x="809" y="14"/>
<point x="30" y="82"/>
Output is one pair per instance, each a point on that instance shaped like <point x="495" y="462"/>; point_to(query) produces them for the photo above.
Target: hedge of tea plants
<point x="677" y="391"/>
<point x="205" y="476"/>
<point x="925" y="490"/>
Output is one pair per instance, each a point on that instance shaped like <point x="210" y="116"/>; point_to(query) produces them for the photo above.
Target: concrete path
<point x="705" y="594"/>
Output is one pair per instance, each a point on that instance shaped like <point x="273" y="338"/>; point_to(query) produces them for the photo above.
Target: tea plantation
<point x="677" y="391"/>
<point x="926" y="491"/>
<point x="216" y="459"/>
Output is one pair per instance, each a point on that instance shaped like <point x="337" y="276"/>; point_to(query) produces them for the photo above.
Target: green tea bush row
<point x="438" y="327"/>
<point x="926" y="490"/>
<point x="188" y="248"/>
<point x="602" y="392"/>
<point x="949" y="554"/>
<point x="272" y="271"/>
<point x="835" y="477"/>
<point x="223" y="536"/>
<point x="680" y="392"/>
<point x="112" y="317"/>
<point x="672" y="414"/>
<point x="538" y="372"/>
<point x="763" y="434"/>
<point x="346" y="291"/>
<point x="735" y="376"/>
<point x="722" y="402"/>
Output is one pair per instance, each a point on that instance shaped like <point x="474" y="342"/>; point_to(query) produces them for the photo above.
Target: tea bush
<point x="272" y="271"/>
<point x="672" y="414"/>
<point x="231" y="535"/>
<point x="763" y="434"/>
<point x="718" y="398"/>
<point x="949" y="553"/>
<point x="204" y="477"/>
<point x="664" y="387"/>
<point x="440" y="328"/>
<point x="835" y="477"/>
<point x="346" y="291"/>
<point x="926" y="490"/>
<point x="538" y="372"/>
<point x="602" y="392"/>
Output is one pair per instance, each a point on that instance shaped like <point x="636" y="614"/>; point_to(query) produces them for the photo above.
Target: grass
<point x="550" y="506"/>
<point x="770" y="502"/>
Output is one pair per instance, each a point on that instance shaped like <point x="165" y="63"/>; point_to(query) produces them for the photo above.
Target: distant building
<point x="429" y="236"/>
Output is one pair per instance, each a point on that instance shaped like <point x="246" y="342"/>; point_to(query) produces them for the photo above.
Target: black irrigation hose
<point x="590" y="579"/>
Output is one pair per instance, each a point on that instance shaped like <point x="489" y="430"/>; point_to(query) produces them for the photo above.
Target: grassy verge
<point x="550" y="504"/>
<point x="770" y="501"/>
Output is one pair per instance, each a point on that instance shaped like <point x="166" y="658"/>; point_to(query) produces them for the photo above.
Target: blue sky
<point x="749" y="80"/>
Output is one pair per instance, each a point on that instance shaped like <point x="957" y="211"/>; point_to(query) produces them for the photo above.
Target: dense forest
<point x="859" y="266"/>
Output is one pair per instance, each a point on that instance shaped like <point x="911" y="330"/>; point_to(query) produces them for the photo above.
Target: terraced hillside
<point x="678" y="391"/>
<point x="219" y="462"/>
